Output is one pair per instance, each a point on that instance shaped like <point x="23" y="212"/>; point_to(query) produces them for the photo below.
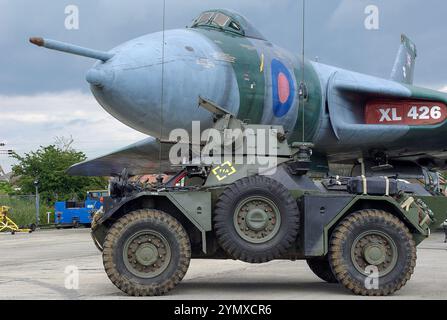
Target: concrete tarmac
<point x="40" y="265"/>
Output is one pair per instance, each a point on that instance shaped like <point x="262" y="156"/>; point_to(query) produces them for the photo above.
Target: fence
<point x="23" y="209"/>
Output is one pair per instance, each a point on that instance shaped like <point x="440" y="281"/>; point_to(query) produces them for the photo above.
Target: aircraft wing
<point x="139" y="158"/>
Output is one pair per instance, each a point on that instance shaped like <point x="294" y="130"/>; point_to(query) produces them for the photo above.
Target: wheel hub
<point x="374" y="248"/>
<point x="374" y="254"/>
<point x="257" y="219"/>
<point x="146" y="254"/>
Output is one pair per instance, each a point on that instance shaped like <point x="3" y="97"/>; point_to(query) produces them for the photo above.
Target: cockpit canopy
<point x="227" y="21"/>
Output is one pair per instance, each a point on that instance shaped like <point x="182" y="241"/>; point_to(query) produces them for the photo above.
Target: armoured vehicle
<point x="357" y="231"/>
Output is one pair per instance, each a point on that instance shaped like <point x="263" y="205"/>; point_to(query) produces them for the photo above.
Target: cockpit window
<point x="203" y="19"/>
<point x="234" y="25"/>
<point x="227" y="21"/>
<point x="221" y="20"/>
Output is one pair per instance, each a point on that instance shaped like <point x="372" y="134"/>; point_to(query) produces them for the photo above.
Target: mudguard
<point x="323" y="212"/>
<point x="194" y="205"/>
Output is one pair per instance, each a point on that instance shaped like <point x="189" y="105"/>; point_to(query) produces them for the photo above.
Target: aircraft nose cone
<point x="156" y="94"/>
<point x="99" y="77"/>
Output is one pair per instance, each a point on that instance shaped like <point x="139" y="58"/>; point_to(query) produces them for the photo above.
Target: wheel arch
<point x="166" y="203"/>
<point x="363" y="203"/>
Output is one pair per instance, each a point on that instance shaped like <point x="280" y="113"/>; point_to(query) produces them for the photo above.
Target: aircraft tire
<point x="256" y="219"/>
<point x="146" y="253"/>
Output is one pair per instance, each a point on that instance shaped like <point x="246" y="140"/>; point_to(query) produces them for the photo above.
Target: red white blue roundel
<point x="283" y="89"/>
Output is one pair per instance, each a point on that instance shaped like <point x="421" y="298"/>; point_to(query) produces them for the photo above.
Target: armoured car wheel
<point x="256" y="219"/>
<point x="372" y="253"/>
<point x="322" y="269"/>
<point x="146" y="253"/>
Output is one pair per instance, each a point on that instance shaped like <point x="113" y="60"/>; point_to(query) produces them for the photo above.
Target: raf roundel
<point x="283" y="89"/>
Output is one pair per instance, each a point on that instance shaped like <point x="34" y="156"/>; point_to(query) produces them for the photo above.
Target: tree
<point x="5" y="188"/>
<point x="48" y="165"/>
<point x="64" y="143"/>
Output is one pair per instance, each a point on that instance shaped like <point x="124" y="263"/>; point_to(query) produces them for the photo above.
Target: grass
<point x="23" y="209"/>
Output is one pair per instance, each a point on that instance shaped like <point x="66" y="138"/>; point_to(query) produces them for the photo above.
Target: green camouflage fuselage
<point x="330" y="112"/>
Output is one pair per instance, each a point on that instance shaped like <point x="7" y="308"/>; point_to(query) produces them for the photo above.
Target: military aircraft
<point x="152" y="84"/>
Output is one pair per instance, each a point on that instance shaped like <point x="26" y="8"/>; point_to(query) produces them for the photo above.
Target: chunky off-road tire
<point x="322" y="269"/>
<point x="256" y="219"/>
<point x="368" y="241"/>
<point x="146" y="253"/>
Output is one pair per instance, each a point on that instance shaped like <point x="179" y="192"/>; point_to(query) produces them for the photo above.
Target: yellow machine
<point x="6" y="224"/>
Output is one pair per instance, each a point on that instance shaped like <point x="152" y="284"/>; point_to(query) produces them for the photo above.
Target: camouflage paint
<point x="309" y="120"/>
<point x="245" y="61"/>
<point x="253" y="61"/>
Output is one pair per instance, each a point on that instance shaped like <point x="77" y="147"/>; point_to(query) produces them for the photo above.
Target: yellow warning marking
<point x="261" y="68"/>
<point x="224" y="171"/>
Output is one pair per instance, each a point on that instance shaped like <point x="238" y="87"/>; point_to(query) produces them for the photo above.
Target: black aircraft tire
<point x="372" y="235"/>
<point x="322" y="269"/>
<point x="159" y="243"/>
<point x="256" y="219"/>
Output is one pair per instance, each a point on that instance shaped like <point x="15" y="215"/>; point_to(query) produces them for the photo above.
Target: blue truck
<point x="77" y="213"/>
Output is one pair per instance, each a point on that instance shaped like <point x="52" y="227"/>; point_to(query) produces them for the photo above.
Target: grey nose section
<point x="100" y="77"/>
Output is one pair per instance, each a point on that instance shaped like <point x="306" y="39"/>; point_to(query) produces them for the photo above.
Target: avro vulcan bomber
<point x="154" y="88"/>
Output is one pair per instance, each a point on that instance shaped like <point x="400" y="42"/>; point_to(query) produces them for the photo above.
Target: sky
<point x="44" y="95"/>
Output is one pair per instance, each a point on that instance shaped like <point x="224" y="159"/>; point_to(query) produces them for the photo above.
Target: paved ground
<point x="32" y="266"/>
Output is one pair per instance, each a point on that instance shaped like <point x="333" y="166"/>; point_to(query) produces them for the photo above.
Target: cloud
<point x="347" y="11"/>
<point x="49" y="108"/>
<point x="29" y="121"/>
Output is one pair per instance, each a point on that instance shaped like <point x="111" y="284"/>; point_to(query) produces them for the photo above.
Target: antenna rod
<point x="162" y="86"/>
<point x="302" y="65"/>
